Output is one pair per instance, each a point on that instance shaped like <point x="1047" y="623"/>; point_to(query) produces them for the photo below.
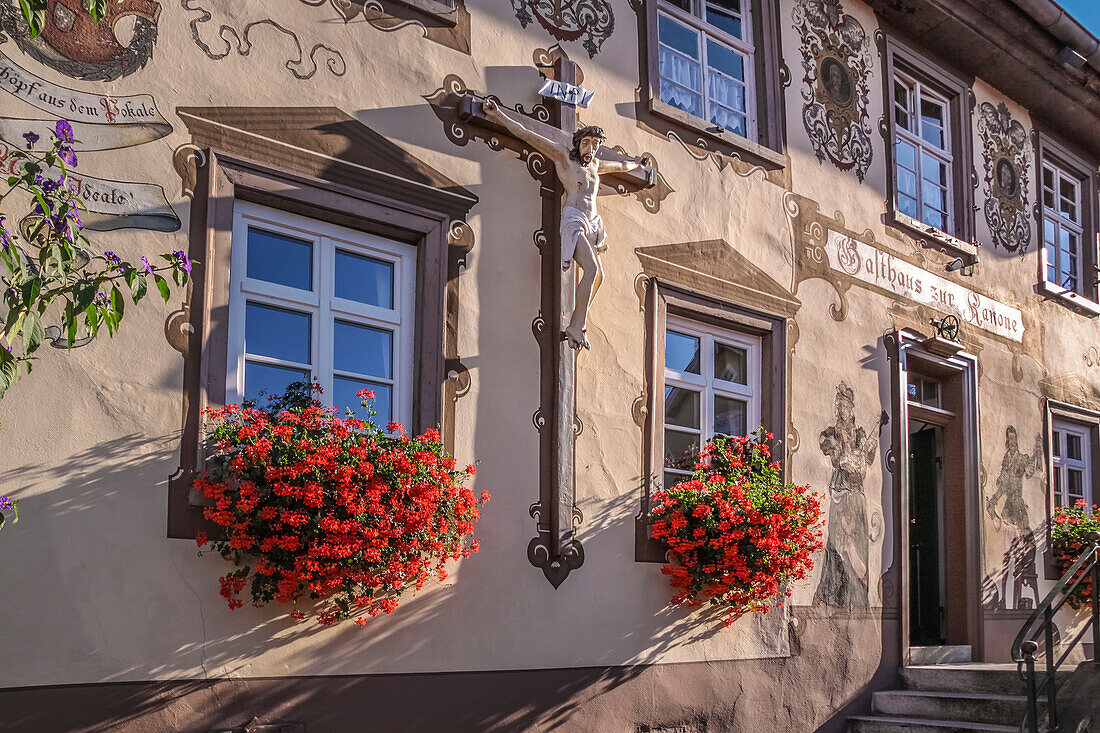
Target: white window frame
<point x="917" y="91"/>
<point x="321" y="303"/>
<point x="696" y="20"/>
<point x="1062" y="222"/>
<point x="710" y="387"/>
<point x="1062" y="464"/>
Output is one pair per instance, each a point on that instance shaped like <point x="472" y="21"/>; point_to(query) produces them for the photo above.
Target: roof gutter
<point x="1081" y="47"/>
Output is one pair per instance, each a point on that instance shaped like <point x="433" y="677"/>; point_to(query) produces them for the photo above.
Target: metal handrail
<point x="1040" y="626"/>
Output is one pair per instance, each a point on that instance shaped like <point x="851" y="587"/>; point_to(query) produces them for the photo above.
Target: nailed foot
<point x="577" y="337"/>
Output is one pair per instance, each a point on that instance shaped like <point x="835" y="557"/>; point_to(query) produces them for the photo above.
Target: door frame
<point x="908" y="348"/>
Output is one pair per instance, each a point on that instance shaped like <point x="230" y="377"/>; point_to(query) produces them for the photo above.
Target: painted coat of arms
<point x="1006" y="161"/>
<point x="72" y="43"/>
<point x="570" y="20"/>
<point x="836" y="61"/>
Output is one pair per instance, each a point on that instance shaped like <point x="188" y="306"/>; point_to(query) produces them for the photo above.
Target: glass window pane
<point x="907" y="205"/>
<point x="934" y="218"/>
<point x="907" y="183"/>
<point x="671" y="479"/>
<point x="730" y="363"/>
<point x="907" y="155"/>
<point x="363" y="349"/>
<point x="1056" y="440"/>
<point x="681" y="450"/>
<point x="1058" y="486"/>
<point x="681" y="352"/>
<point x="930" y="393"/>
<point x="1049" y="231"/>
<point x="933" y="169"/>
<point x="913" y="388"/>
<point x="1048" y="199"/>
<point x="678" y="36"/>
<point x="279" y="259"/>
<point x="277" y="333"/>
<point x="1075" y="484"/>
<point x="262" y="381"/>
<point x="726" y="92"/>
<point x="730" y="416"/>
<point x="1048" y="178"/>
<point x="682" y="4"/>
<point x="932" y="122"/>
<point x="343" y="397"/>
<point x="364" y="279"/>
<point x="728" y="119"/>
<point x="682" y="407"/>
<point x="725" y="60"/>
<point x="934" y="196"/>
<point x="725" y="15"/>
<point x="1073" y="446"/>
<point x="681" y="98"/>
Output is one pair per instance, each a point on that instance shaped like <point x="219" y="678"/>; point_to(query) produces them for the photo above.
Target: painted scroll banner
<point x="100" y="121"/>
<point x="904" y="279"/>
<point x="110" y="205"/>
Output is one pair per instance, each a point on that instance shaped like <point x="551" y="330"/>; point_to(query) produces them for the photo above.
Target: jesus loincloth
<point x="574" y="223"/>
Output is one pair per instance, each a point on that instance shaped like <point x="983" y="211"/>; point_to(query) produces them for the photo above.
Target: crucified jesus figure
<point x="583" y="236"/>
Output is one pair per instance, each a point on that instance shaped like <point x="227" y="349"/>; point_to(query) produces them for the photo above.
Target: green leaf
<point x="138" y="288"/>
<point x="162" y="286"/>
<point x="83" y="293"/>
<point x="9" y="370"/>
<point x="69" y="321"/>
<point x="117" y="303"/>
<point x="91" y="317"/>
<point x="33" y="333"/>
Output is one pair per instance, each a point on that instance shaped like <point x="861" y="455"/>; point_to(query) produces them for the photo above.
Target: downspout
<point x="1080" y="46"/>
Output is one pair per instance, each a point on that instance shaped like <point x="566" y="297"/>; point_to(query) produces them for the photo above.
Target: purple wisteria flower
<point x="101" y="298"/>
<point x="31" y="139"/>
<point x="146" y="266"/>
<point x="49" y="185"/>
<point x="5" y="504"/>
<point x="185" y="261"/>
<point x="112" y="258"/>
<point x="66" y="154"/>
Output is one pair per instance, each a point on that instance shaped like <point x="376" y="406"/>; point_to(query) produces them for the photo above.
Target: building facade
<point x="826" y="182"/>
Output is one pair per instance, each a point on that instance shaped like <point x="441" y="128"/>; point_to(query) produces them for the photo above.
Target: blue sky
<point x="1085" y="11"/>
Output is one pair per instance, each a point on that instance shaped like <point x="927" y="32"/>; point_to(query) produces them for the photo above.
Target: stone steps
<point x="967" y="707"/>
<point x="887" y="724"/>
<point x="938" y="698"/>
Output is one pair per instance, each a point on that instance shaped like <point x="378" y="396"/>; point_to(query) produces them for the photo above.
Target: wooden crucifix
<point x="573" y="234"/>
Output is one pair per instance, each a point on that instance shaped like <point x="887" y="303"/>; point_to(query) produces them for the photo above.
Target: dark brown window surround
<point x="957" y="88"/>
<point x="1073" y="162"/>
<point x="308" y="180"/>
<point x="661" y="300"/>
<point x="444" y="11"/>
<point x="1089" y="419"/>
<point x="768" y="150"/>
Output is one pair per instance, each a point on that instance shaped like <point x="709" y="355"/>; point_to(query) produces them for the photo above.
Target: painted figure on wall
<point x="583" y="236"/>
<point x="1011" y="518"/>
<point x="844" y="575"/>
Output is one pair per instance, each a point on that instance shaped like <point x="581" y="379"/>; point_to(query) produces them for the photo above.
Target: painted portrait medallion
<point x="836" y="64"/>
<point x="74" y="44"/>
<point x="1006" y="158"/>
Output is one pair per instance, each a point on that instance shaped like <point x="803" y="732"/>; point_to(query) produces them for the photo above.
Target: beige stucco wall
<point x="92" y="589"/>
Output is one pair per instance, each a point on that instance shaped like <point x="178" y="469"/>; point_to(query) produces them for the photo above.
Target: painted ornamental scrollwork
<point x="590" y="21"/>
<point x="836" y="63"/>
<point x="1006" y="159"/>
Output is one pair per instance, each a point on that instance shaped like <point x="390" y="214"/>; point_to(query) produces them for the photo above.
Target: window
<point x="711" y="387"/>
<point x="931" y="146"/>
<point x="924" y="391"/>
<point x="922" y="147"/>
<point x="1063" y="228"/>
<point x="705" y="62"/>
<point x="1070" y="449"/>
<point x="711" y="76"/>
<point x="313" y="301"/>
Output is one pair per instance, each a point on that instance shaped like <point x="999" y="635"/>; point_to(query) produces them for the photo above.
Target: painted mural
<point x="836" y="64"/>
<point x="72" y="43"/>
<point x="1008" y="512"/>
<point x="851" y="449"/>
<point x="589" y="21"/>
<point x="99" y="121"/>
<point x="222" y="36"/>
<point x="1006" y="158"/>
